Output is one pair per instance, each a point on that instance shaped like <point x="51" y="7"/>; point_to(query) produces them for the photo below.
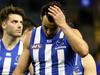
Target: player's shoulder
<point x="36" y="28"/>
<point x="30" y="34"/>
<point x="26" y="37"/>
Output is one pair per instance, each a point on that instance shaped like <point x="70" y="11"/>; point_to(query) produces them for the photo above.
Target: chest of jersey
<point x="51" y="56"/>
<point x="55" y="49"/>
<point x="8" y="59"/>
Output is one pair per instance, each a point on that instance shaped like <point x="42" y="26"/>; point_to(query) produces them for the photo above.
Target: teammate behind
<point x="11" y="21"/>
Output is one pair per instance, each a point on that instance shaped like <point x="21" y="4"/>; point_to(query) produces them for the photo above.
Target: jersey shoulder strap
<point x="20" y="49"/>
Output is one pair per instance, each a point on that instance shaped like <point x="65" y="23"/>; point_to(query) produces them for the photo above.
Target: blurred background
<point x="83" y="13"/>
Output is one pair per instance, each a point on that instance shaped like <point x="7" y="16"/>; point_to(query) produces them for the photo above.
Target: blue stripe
<point x="42" y="55"/>
<point x="1" y="62"/>
<point x="54" y="62"/>
<point x="42" y="61"/>
<point x="14" y="57"/>
<point x="54" y="56"/>
<point x="31" y="43"/>
<point x="30" y="47"/>
<point x="2" y="53"/>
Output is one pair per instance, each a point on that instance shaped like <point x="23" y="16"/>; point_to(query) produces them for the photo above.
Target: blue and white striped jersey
<point x="51" y="56"/>
<point x="78" y="69"/>
<point x="9" y="59"/>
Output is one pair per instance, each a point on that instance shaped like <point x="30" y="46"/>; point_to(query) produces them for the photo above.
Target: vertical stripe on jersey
<point x="37" y="36"/>
<point x="20" y="48"/>
<point x="61" y="66"/>
<point x="36" y="51"/>
<point x="76" y="60"/>
<point x="48" y="64"/>
<point x="6" y="66"/>
<point x="37" y="64"/>
<point x="61" y="35"/>
<point x="51" y="58"/>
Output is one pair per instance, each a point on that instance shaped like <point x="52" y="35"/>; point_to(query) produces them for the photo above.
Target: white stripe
<point x="79" y="73"/>
<point x="37" y="36"/>
<point x="61" y="35"/>
<point x="48" y="64"/>
<point x="20" y="48"/>
<point x="61" y="66"/>
<point x="76" y="59"/>
<point x="6" y="66"/>
<point x="36" y="58"/>
<point x="36" y="51"/>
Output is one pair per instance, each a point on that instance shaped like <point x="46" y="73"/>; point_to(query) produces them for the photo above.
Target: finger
<point x="53" y="11"/>
<point x="57" y="8"/>
<point x="51" y="14"/>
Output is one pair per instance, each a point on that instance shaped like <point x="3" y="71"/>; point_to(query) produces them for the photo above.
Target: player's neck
<point x="9" y="42"/>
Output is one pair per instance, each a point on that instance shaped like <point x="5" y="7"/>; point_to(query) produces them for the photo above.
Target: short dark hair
<point x="10" y="10"/>
<point x="4" y="13"/>
<point x="44" y="9"/>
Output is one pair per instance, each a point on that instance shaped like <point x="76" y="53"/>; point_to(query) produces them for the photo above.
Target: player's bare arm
<point x="73" y="35"/>
<point x="89" y="68"/>
<point x="24" y="58"/>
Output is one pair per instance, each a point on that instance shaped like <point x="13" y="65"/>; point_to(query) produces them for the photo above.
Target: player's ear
<point x="3" y="24"/>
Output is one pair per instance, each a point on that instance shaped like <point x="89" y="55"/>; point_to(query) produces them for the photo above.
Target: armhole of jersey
<point x="35" y="35"/>
<point x="32" y="36"/>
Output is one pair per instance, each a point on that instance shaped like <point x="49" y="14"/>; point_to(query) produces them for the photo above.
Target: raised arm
<point x="73" y="35"/>
<point x="24" y="59"/>
<point x="89" y="65"/>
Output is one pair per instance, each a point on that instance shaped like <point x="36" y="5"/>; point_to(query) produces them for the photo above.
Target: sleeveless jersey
<point x="9" y="59"/>
<point x="51" y="56"/>
<point x="79" y="69"/>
